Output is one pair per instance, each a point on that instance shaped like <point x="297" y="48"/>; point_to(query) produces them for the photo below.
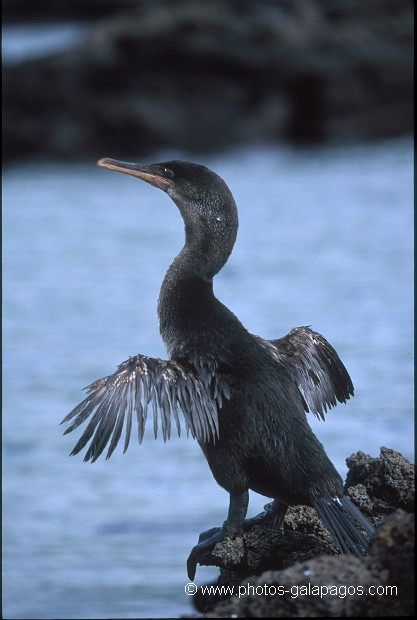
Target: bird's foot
<point x="273" y="516"/>
<point x="206" y="543"/>
<point x="208" y="534"/>
<point x="231" y="527"/>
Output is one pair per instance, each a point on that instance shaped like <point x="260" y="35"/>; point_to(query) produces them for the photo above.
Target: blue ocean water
<point x="325" y="240"/>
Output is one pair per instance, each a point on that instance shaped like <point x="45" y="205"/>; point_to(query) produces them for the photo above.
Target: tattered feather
<point x="315" y="367"/>
<point x="191" y="386"/>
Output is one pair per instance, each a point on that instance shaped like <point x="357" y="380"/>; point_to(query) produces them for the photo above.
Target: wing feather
<point x="128" y="424"/>
<point x="315" y="367"/>
<point x="168" y="386"/>
<point x="118" y="427"/>
<point x="173" y="404"/>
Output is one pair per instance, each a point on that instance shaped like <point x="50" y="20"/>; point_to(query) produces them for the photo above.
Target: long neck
<point x="186" y="301"/>
<point x="187" y="307"/>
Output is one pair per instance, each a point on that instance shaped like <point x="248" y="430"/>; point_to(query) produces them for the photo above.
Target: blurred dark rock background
<point x="197" y="76"/>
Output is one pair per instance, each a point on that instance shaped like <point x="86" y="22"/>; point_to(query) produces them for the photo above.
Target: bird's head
<point x="203" y="199"/>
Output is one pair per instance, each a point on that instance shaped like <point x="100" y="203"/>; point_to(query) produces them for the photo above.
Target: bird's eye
<point x="168" y="173"/>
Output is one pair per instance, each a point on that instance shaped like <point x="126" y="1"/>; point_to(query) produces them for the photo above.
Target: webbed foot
<point x="273" y="516"/>
<point x="208" y="534"/>
<point x="206" y="543"/>
<point x="238" y="506"/>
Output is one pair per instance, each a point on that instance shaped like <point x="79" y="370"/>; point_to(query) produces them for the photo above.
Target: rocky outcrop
<point x="201" y="75"/>
<point x="301" y="561"/>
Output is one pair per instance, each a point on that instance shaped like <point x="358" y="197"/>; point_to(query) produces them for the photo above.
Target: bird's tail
<point x="346" y="524"/>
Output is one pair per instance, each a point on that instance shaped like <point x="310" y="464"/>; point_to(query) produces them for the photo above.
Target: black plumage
<point x="242" y="397"/>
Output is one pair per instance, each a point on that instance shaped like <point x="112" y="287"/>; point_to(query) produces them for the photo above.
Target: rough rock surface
<point x="201" y="75"/>
<point x="302" y="553"/>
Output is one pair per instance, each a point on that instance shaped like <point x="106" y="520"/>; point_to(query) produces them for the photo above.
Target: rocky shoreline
<point x="208" y="75"/>
<point x="302" y="554"/>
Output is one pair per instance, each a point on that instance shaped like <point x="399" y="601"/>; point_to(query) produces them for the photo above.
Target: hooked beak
<point x="147" y="172"/>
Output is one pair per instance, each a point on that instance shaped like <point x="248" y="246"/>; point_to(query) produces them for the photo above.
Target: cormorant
<point x="242" y="397"/>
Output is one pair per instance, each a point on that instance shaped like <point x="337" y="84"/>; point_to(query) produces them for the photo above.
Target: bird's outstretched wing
<point x="315" y="367"/>
<point x="169" y="386"/>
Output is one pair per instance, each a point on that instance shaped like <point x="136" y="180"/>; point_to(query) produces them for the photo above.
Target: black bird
<point x="242" y="397"/>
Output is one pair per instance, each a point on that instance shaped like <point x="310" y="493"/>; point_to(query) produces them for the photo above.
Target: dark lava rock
<point x="389" y="481"/>
<point x="392" y="554"/>
<point x="276" y="568"/>
<point x="325" y="586"/>
<point x="201" y="75"/>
